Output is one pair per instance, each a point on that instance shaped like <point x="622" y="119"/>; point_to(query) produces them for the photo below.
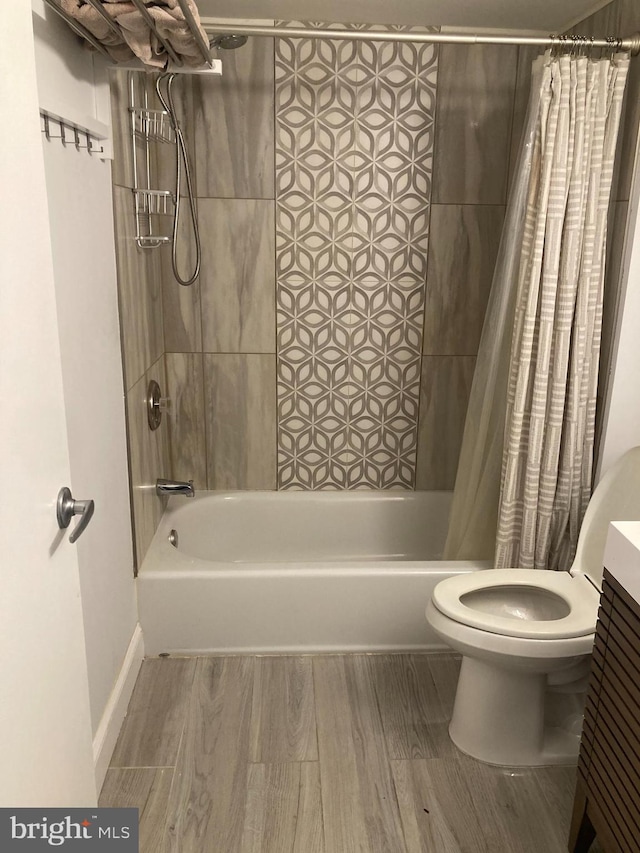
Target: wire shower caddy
<point x="148" y="126"/>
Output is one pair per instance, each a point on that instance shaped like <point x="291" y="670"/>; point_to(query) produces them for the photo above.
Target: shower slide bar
<point x="80" y="30"/>
<point x="613" y="43"/>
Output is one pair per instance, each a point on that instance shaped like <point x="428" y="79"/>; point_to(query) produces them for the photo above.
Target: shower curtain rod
<point x="631" y="43"/>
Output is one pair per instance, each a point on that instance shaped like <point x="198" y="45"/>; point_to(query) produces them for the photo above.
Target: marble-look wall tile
<point x="444" y="395"/>
<point x="629" y="16"/>
<point x="462" y="253"/>
<point x="139" y="294"/>
<point x="473" y="123"/>
<point x="237" y="281"/>
<point x="181" y="304"/>
<point x="616" y="233"/>
<point x="185" y="389"/>
<point x="629" y="126"/>
<point x="234" y="127"/>
<point x="605" y="22"/>
<point x="617" y="228"/>
<point x="621" y="17"/>
<point x="240" y="411"/>
<point x="149" y="459"/>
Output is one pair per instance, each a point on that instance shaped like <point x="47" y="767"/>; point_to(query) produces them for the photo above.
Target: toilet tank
<point x="616" y="498"/>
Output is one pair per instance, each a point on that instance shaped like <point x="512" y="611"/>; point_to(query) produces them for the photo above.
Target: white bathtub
<point x="295" y="572"/>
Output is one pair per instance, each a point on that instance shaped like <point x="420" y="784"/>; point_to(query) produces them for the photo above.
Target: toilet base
<point x="499" y="718"/>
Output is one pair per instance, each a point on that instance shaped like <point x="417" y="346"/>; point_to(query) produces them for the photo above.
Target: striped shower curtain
<point x="551" y="393"/>
<point x="524" y="474"/>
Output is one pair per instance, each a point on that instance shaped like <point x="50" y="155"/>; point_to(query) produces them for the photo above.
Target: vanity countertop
<point x="622" y="555"/>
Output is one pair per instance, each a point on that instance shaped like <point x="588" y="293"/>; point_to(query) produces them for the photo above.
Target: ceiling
<point x="530" y="15"/>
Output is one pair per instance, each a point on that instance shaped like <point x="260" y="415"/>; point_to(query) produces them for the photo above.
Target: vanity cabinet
<point x="607" y="801"/>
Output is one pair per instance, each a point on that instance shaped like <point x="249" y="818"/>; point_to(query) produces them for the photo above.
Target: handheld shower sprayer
<point x="166" y="99"/>
<point x="164" y="88"/>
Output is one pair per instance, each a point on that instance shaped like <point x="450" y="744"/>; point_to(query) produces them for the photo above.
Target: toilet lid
<point x="555" y="605"/>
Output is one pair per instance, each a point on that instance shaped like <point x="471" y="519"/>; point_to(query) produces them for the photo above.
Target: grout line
<point x="239" y="352"/>
<point x="146" y="767"/>
<point x="291" y="761"/>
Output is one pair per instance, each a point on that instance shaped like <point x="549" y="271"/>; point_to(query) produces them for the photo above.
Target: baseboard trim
<point x="106" y="736"/>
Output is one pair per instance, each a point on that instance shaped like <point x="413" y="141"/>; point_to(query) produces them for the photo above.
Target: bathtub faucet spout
<point x="175" y="487"/>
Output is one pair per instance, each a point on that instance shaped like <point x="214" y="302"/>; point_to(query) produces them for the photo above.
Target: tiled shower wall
<point x="220" y="334"/>
<point x="350" y="199"/>
<point x="141" y="329"/>
<point x="368" y="210"/>
<point x="621" y="17"/>
<point x="212" y="347"/>
<point x="354" y="160"/>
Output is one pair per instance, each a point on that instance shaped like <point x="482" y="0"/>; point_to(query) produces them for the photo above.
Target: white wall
<point x="80" y="208"/>
<point x="543" y="15"/>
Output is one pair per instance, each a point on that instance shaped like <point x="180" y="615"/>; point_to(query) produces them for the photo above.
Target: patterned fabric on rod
<point x="524" y="473"/>
<point x="551" y="394"/>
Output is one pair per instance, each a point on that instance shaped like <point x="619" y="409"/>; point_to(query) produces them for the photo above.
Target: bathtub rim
<point x="196" y="567"/>
<point x="162" y="558"/>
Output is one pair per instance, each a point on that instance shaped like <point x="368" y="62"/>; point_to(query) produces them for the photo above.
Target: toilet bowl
<point x="526" y="636"/>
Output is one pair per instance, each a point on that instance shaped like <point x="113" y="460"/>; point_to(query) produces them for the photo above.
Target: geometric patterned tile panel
<point x="354" y="157"/>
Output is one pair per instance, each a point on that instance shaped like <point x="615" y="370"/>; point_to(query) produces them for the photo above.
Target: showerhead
<point x="227" y="41"/>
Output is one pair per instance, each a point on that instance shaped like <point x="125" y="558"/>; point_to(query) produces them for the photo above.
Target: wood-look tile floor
<point x="320" y="754"/>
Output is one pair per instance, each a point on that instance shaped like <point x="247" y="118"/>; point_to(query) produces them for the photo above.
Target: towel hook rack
<point x="65" y="128"/>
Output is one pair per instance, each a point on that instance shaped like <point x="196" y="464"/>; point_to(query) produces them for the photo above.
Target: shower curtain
<point x="524" y="474"/>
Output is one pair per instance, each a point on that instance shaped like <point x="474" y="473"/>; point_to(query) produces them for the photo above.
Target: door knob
<point x="66" y="508"/>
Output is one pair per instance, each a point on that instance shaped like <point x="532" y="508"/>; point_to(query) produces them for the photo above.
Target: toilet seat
<point x="580" y="596"/>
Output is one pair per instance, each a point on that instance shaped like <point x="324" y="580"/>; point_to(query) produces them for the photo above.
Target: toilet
<point x="526" y="636"/>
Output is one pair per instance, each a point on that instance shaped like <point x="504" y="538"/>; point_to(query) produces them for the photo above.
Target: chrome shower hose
<point x="166" y="99"/>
